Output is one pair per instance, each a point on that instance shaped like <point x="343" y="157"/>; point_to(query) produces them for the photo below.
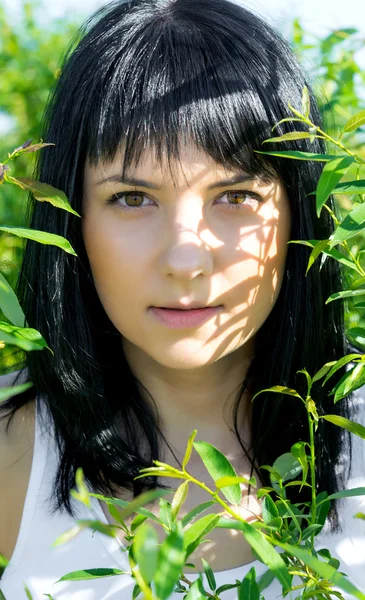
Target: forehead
<point x="191" y="164"/>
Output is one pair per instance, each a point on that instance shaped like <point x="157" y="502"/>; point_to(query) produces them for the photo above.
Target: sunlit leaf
<point x="350" y="381"/>
<point x="345" y="294"/>
<point x="44" y="192"/>
<point x="351" y="225"/>
<point x="189" y="449"/>
<point x="43" y="237"/>
<point x="338" y="364"/>
<point x="332" y="173"/>
<point x="355" y="121"/>
<point x="347" y="424"/>
<point x="170" y="562"/>
<point x="280" y="389"/>
<point x="24" y="337"/>
<point x="287" y="466"/>
<point x="9" y="392"/>
<point x="324" y="569"/>
<point x="179" y="498"/>
<point x="249" y="589"/>
<point x="219" y="466"/>
<point x="209" y="575"/>
<point x="334" y="253"/>
<point x="9" y="303"/>
<point x="292" y="135"/>
<point x="196" y="511"/>
<point x="299" y="155"/>
<point x="305" y="102"/>
<point x="145" y="547"/>
<point x="87" y="574"/>
<point x="198" y="530"/>
<point x="196" y="590"/>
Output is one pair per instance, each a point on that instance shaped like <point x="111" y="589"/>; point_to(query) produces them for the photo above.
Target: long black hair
<point x="147" y="73"/>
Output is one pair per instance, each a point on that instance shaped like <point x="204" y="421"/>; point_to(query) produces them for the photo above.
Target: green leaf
<point x="339" y="364"/>
<point x="179" y="498"/>
<point x="323" y="371"/>
<point x="332" y="173"/>
<point x="265" y="580"/>
<point x="357" y="333"/>
<point x="24" y="337"/>
<point x="351" y="381"/>
<point x="226" y="586"/>
<point x="292" y="135"/>
<point x="165" y="513"/>
<point x="360" y="491"/>
<point x="9" y="304"/>
<point x="210" y="575"/>
<point x="286" y="120"/>
<point x="280" y="389"/>
<point x="170" y="562"/>
<point x="189" y="449"/>
<point x="145" y="546"/>
<point x="144" y="498"/>
<point x="219" y="466"/>
<point x="224" y="481"/>
<point x="42" y="237"/>
<point x="323" y="569"/>
<point x="136" y="522"/>
<point x="305" y="102"/>
<point x="310" y="530"/>
<point x="347" y="424"/>
<point x="196" y="590"/>
<point x="136" y="591"/>
<point x="196" y="511"/>
<point x="354" y="122"/>
<point x="334" y="253"/>
<point x="350" y="187"/>
<point x="266" y="552"/>
<point x="9" y="392"/>
<point x="249" y="589"/>
<point x="27" y="591"/>
<point x="298" y="450"/>
<point x="87" y="574"/>
<point x="299" y="155"/>
<point x="125" y="504"/>
<point x="345" y="294"/>
<point x="44" y="192"/>
<point x="288" y="466"/>
<point x="269" y="510"/>
<point x="25" y="148"/>
<point x="351" y="225"/>
<point x="197" y="530"/>
<point x="317" y="249"/>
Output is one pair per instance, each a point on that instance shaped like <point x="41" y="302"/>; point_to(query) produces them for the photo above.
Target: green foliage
<point x="159" y="568"/>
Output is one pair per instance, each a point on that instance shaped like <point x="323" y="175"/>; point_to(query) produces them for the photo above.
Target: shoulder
<point x="20" y="432"/>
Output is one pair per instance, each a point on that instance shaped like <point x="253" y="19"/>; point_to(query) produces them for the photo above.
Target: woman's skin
<point x="187" y="245"/>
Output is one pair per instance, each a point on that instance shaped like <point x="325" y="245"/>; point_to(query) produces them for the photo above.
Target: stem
<point x="355" y="260"/>
<point x="185" y="580"/>
<point x="313" y="473"/>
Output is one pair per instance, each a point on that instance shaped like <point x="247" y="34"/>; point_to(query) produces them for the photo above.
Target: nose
<point x="187" y="255"/>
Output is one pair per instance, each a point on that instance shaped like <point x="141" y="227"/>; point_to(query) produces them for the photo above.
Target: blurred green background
<point x="30" y="56"/>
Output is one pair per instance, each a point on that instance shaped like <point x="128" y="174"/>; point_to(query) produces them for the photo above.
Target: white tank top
<point x="38" y="565"/>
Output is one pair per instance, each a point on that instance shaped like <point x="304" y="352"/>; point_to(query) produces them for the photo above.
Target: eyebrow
<point x="148" y="184"/>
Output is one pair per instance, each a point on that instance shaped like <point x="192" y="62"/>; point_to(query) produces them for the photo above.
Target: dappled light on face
<point x="185" y="242"/>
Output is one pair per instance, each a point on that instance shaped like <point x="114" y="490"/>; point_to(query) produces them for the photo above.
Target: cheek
<point x="256" y="276"/>
<point x="116" y="263"/>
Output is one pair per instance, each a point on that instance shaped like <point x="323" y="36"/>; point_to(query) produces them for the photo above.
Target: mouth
<point x="176" y="318"/>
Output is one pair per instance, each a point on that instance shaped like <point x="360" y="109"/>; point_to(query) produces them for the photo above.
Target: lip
<point x="184" y="319"/>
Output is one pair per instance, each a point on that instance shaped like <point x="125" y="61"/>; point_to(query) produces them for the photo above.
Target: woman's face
<point x="203" y="241"/>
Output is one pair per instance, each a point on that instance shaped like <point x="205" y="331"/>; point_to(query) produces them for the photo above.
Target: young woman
<point x="185" y="298"/>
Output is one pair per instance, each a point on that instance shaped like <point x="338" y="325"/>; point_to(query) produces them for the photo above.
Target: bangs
<point x="175" y="83"/>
